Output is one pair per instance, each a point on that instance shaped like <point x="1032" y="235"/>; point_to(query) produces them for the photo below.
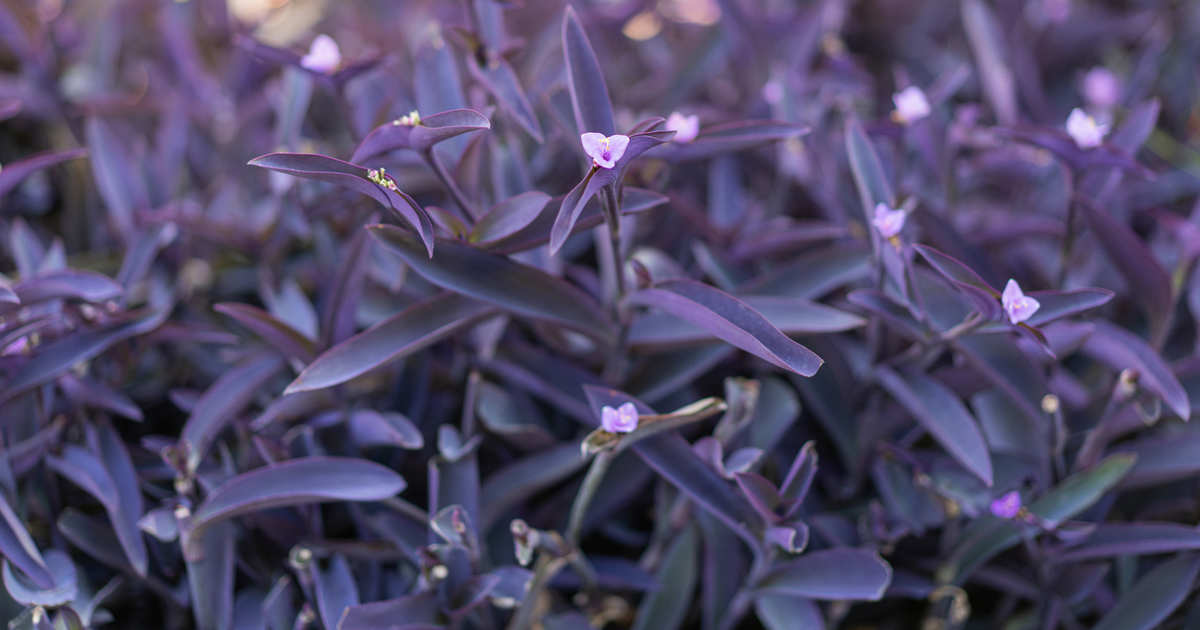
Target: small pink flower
<point x="911" y="105"/>
<point x="604" y="151"/>
<point x="1084" y="129"/>
<point x="685" y="127"/>
<point x="623" y="419"/>
<point x="1018" y="306"/>
<point x="887" y="221"/>
<point x="1101" y="88"/>
<point x="323" y="56"/>
<point x="1007" y="506"/>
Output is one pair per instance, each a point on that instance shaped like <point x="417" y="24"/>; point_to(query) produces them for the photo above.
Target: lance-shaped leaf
<point x="1162" y="459"/>
<point x="335" y="589"/>
<point x="841" y="573"/>
<point x="411" y="330"/>
<point x="1154" y="597"/>
<point x="731" y="320"/>
<point x="987" y="537"/>
<point x="221" y="402"/>
<point x="1122" y="349"/>
<point x="524" y="478"/>
<point x="981" y="295"/>
<point x="87" y="471"/>
<point x="287" y="340"/>
<point x="519" y="288"/>
<point x="596" y="179"/>
<point x="585" y="79"/>
<point x="1111" y="540"/>
<point x="352" y="176"/>
<point x="1078" y="159"/>
<point x="789" y="315"/>
<point x="210" y="579"/>
<point x="1136" y="264"/>
<point x="509" y="216"/>
<point x="60" y="355"/>
<point x="988" y="47"/>
<point x="16" y="172"/>
<point x="433" y="129"/>
<point x="666" y="607"/>
<point x="123" y="190"/>
<point x="88" y="286"/>
<point x="944" y="415"/>
<point x="294" y="482"/>
<point x="869" y="178"/>
<point x="414" y="611"/>
<point x="89" y="392"/>
<point x="18" y="548"/>
<point x="499" y="79"/>
<point x="784" y="612"/>
<point x="732" y="136"/>
<point x="25" y="591"/>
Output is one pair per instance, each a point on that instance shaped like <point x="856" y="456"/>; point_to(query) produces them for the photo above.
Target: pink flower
<point x="887" y="221"/>
<point x="323" y="56"/>
<point x="685" y="127"/>
<point x="911" y="105"/>
<point x="604" y="151"/>
<point x="1018" y="306"/>
<point x="1101" y="88"/>
<point x="1084" y="129"/>
<point x="623" y="419"/>
<point x="1007" y="506"/>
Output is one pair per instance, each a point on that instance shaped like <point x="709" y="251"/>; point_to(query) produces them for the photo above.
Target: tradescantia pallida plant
<point x="630" y="314"/>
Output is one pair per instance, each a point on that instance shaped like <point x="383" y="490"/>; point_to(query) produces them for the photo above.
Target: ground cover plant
<point x="644" y="314"/>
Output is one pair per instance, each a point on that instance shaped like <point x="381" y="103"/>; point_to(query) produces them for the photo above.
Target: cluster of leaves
<point x="361" y="385"/>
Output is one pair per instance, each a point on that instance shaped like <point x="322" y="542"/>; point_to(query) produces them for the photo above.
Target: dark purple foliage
<point x="304" y="331"/>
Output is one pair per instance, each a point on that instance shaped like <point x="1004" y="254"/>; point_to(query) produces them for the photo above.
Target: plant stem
<point x="544" y="570"/>
<point x="1069" y="235"/>
<point x="591" y="483"/>
<point x="439" y="169"/>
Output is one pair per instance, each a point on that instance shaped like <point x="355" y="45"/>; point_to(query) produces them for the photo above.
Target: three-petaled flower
<point x="604" y="150"/>
<point x="888" y="222"/>
<point x="1084" y="130"/>
<point x="623" y="419"/>
<point x="323" y="55"/>
<point x="1018" y="306"/>
<point x="1007" y="505"/>
<point x="685" y="127"/>
<point x="911" y="105"/>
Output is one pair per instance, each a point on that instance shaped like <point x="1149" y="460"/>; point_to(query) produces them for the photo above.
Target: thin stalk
<point x="1068" y="242"/>
<point x="587" y="491"/>
<point x="439" y="169"/>
<point x="544" y="570"/>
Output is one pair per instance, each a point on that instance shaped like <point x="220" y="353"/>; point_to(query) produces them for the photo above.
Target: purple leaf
<point x="732" y="136"/>
<point x="404" y="333"/>
<point x="791" y="316"/>
<point x="506" y="487"/>
<point x="327" y="169"/>
<point x="944" y="415"/>
<point x="731" y="320"/>
<point x="123" y="190"/>
<point x="16" y="172"/>
<point x="64" y="589"/>
<point x="1121" y="349"/>
<point x="210" y="578"/>
<point x="335" y="589"/>
<point x="1064" y="147"/>
<point x="981" y="294"/>
<point x="988" y="47"/>
<point x="294" y="482"/>
<point x="88" y="392"/>
<point x="869" y="178"/>
<point x="287" y="340"/>
<point x="86" y="470"/>
<point x="509" y="217"/>
<point x="499" y="79"/>
<point x="519" y="288"/>
<point x="1154" y="596"/>
<point x="67" y="284"/>
<point x="1136" y="263"/>
<point x="60" y="355"/>
<point x="585" y="79"/>
<point x="372" y="428"/>
<point x="1162" y="459"/>
<point x="841" y="573"/>
<point x="413" y="609"/>
<point x="433" y="129"/>
<point x="1110" y="540"/>
<point x="220" y="404"/>
<point x="127" y="506"/>
<point x="19" y="549"/>
<point x="342" y="299"/>
<point x="785" y="612"/>
<point x="667" y="607"/>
